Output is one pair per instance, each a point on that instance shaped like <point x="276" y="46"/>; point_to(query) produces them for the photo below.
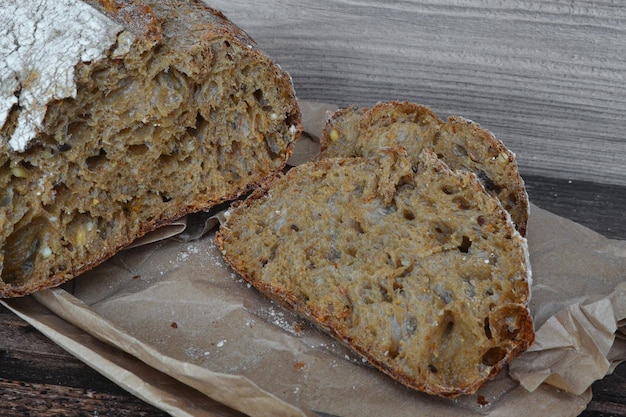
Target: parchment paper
<point x="177" y="312"/>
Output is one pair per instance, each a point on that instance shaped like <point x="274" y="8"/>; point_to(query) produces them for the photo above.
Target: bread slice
<point x="459" y="142"/>
<point x="134" y="114"/>
<point x="413" y="266"/>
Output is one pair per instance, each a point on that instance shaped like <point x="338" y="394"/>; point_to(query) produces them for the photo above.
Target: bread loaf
<point x="460" y="143"/>
<point x="414" y="266"/>
<point x="117" y="116"/>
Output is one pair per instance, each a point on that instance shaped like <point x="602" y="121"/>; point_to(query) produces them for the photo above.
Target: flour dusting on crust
<point x="40" y="44"/>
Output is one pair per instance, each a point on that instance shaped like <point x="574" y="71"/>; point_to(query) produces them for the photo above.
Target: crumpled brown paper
<point x="578" y="301"/>
<point x="187" y="318"/>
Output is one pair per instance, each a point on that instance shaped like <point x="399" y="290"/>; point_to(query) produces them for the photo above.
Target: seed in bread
<point x="414" y="266"/>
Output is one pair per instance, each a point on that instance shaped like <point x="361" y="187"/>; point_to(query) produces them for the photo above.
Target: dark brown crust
<point x="148" y="21"/>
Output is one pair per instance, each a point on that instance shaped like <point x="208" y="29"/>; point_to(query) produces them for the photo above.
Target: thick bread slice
<point x="423" y="273"/>
<point x="459" y="142"/>
<point x="119" y="116"/>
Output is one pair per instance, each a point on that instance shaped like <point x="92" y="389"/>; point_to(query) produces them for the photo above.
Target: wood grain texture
<point x="39" y="379"/>
<point x="546" y="77"/>
<point x="600" y="207"/>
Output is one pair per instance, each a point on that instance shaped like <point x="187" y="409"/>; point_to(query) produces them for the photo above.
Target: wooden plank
<point x="38" y="378"/>
<point x="49" y="400"/>
<point x="600" y="207"/>
<point x="547" y="77"/>
<point x="609" y="396"/>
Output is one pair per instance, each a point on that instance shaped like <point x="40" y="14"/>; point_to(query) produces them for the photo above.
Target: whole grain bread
<point x="460" y="143"/>
<point x="414" y="266"/>
<point x="171" y="110"/>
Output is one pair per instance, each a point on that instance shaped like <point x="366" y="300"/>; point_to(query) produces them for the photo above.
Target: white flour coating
<point x="41" y="41"/>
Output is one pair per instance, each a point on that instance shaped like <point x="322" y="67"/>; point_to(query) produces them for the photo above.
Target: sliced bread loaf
<point x="412" y="265"/>
<point x="459" y="142"/>
<point x="135" y="113"/>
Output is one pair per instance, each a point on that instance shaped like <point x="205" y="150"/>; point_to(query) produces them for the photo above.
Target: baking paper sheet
<point x="175" y="309"/>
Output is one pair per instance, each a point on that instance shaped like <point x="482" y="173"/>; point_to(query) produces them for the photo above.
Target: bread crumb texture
<point x="130" y="115"/>
<point x="414" y="266"/>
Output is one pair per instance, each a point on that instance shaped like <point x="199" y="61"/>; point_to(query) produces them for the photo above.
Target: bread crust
<point x="193" y="42"/>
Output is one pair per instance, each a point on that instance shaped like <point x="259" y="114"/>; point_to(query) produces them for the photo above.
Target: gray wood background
<point x="546" y="77"/>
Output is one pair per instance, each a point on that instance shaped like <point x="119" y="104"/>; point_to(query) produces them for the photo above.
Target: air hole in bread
<point x="94" y="162"/>
<point x="408" y="214"/>
<point x="442" y="232"/>
<point x="168" y="163"/>
<point x="393" y="351"/>
<point x="449" y="326"/>
<point x="450" y="190"/>
<point x="138" y="150"/>
<point x="459" y="150"/>
<point x="488" y="183"/>
<point x="259" y="97"/>
<point x="201" y="123"/>
<point x="397" y="285"/>
<point x="461" y="202"/>
<point x="384" y="293"/>
<point x="465" y="244"/>
<point x="356" y="225"/>
<point x="487" y="328"/>
<point x="493" y="356"/>
<point x="74" y="129"/>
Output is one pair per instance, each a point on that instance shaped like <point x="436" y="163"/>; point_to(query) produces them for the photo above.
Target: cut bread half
<point x="136" y="113"/>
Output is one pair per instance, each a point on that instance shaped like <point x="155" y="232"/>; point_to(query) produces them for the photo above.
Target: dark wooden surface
<point x="38" y="378"/>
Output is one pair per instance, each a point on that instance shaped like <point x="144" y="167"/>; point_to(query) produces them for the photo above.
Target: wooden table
<point x="546" y="77"/>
